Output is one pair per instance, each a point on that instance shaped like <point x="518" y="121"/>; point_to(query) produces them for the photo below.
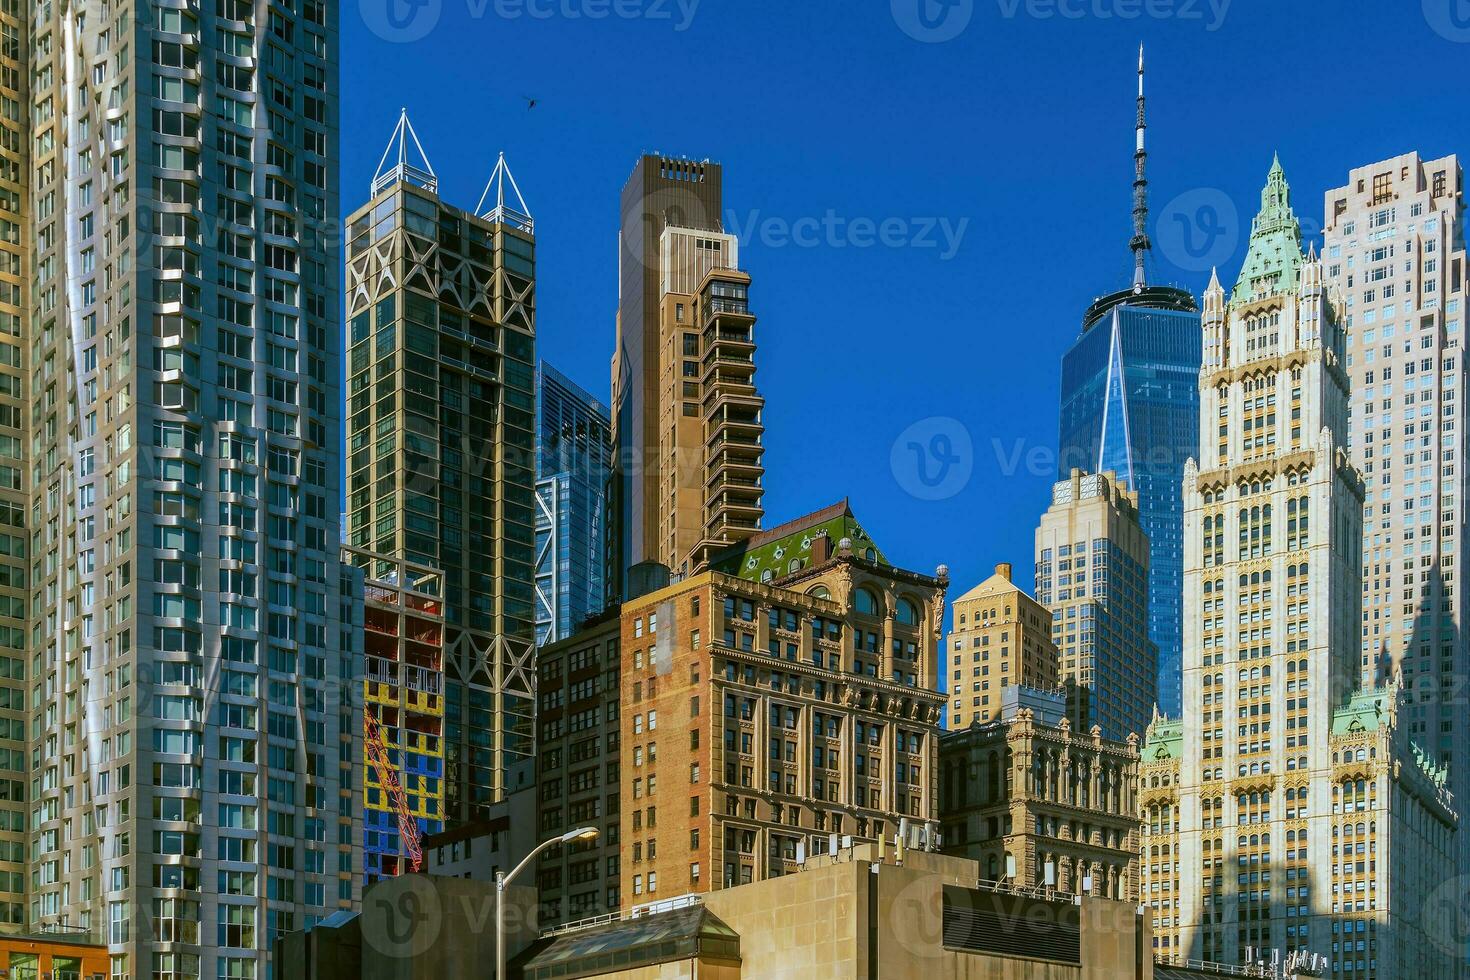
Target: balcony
<point x="722" y="366"/>
<point x="734" y="424"/>
<point x="716" y="307"/>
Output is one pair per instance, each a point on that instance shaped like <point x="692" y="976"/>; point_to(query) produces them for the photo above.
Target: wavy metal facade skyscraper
<point x="1129" y="406"/>
<point x="173" y="531"/>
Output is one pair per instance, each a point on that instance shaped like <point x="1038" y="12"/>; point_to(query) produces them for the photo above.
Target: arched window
<point x="821" y="592"/>
<point x="908" y="613"/>
<point x="865" y="602"/>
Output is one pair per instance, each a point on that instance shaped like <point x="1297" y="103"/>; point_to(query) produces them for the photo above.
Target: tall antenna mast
<point x="1140" y="243"/>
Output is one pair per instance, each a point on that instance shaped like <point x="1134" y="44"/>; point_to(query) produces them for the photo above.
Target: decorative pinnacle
<point x="404" y="160"/>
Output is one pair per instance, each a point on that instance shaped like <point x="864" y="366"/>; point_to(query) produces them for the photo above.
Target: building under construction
<point x="402" y="658"/>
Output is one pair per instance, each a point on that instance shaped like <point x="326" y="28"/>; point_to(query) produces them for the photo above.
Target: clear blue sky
<point x="1018" y="131"/>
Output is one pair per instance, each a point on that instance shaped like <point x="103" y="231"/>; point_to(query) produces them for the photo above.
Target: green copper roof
<point x="1165" y="741"/>
<point x="1368" y="711"/>
<point x="1365" y="711"/>
<point x="770" y="554"/>
<point x="1275" y="255"/>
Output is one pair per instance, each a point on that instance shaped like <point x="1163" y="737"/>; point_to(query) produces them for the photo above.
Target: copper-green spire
<point x="1275" y="254"/>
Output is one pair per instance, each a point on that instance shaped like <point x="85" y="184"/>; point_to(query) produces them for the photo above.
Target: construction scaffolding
<point x="403" y="711"/>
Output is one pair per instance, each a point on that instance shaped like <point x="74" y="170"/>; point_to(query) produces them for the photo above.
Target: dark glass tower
<point x="1130" y="406"/>
<point x="573" y="461"/>
<point x="441" y="442"/>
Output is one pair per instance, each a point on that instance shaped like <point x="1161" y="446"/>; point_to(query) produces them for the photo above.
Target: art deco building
<point x="686" y="413"/>
<point x="440" y="419"/>
<point x="1130" y="406"/>
<point x="999" y="636"/>
<point x="1395" y="252"/>
<point x="1039" y="804"/>
<point x="170" y="477"/>
<point x="573" y="460"/>
<point x="1289" y="810"/>
<point x="1092" y="573"/>
<point x="759" y="719"/>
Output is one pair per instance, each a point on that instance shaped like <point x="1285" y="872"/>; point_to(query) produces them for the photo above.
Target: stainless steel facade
<point x="178" y="476"/>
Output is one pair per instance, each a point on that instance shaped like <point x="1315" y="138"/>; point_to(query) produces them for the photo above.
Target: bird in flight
<point x="530" y="102"/>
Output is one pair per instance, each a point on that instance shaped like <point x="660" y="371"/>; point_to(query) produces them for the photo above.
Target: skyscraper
<point x="1394" y="250"/>
<point x="176" y="473"/>
<point x="687" y="416"/>
<point x="1300" y="795"/>
<point x="1129" y="406"/>
<point x="999" y="637"/>
<point x="1092" y="573"/>
<point x="573" y="457"/>
<point x="441" y="312"/>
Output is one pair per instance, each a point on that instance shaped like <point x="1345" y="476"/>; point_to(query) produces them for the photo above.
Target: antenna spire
<point x="1140" y="243"/>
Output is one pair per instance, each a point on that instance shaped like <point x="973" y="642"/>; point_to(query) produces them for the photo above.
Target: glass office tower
<point x="573" y="461"/>
<point x="441" y="311"/>
<point x="1130" y="406"/>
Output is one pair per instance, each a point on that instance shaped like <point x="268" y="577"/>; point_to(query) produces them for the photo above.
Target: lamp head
<point x="581" y="833"/>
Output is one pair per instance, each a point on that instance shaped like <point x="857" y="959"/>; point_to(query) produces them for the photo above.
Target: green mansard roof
<point x="773" y="551"/>
<point x="1274" y="258"/>
<point x="1365" y="711"/>
<point x="1165" y="741"/>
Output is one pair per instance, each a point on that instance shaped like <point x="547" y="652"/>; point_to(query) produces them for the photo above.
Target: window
<point x="907" y="613"/>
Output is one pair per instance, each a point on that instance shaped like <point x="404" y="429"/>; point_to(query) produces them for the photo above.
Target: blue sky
<point x="927" y="204"/>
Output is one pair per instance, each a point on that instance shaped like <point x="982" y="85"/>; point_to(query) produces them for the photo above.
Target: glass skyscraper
<point x="1130" y="406"/>
<point x="573" y="461"/>
<point x="441" y="365"/>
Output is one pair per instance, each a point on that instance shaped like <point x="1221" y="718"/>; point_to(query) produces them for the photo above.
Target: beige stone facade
<point x="870" y="914"/>
<point x="999" y="637"/>
<point x="1040" y="805"/>
<point x="1394" y="254"/>
<point x="1286" y="809"/>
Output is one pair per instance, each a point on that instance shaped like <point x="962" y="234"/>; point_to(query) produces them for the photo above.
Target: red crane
<point x="377" y="753"/>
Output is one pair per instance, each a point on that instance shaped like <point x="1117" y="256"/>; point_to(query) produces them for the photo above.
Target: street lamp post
<point x="502" y="879"/>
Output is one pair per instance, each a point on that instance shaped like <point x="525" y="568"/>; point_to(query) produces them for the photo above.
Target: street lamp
<point x="502" y="879"/>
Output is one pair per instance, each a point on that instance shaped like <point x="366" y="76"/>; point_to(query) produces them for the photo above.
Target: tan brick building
<point x="578" y="760"/>
<point x="999" y="636"/>
<point x="760" y="718"/>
